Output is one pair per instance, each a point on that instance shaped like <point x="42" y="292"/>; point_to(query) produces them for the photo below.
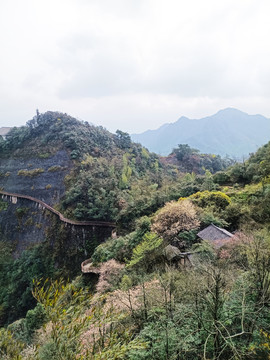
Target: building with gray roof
<point x="216" y="235"/>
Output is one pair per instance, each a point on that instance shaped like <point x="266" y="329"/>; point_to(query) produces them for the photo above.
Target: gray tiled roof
<point x="213" y="233"/>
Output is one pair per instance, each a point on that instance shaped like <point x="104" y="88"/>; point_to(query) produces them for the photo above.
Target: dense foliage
<point x="256" y="168"/>
<point x="219" y="308"/>
<point x="16" y="277"/>
<point x="137" y="303"/>
<point x="188" y="159"/>
<point x="111" y="178"/>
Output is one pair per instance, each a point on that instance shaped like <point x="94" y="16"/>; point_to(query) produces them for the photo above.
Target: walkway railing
<point x="61" y="216"/>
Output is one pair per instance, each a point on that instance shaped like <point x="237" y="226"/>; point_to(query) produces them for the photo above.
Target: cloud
<point x="188" y="52"/>
<point x="135" y="63"/>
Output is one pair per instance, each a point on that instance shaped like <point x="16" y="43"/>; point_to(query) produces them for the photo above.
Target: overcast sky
<point x="133" y="64"/>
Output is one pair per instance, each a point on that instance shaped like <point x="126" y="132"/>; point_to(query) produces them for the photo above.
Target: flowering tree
<point x="174" y="218"/>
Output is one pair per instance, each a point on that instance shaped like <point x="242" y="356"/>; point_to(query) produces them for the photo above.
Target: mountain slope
<point x="228" y="132"/>
<point x="89" y="173"/>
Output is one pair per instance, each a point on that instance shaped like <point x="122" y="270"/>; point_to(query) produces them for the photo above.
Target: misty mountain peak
<point x="228" y="132"/>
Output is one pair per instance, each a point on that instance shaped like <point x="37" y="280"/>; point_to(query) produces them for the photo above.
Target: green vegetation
<point x="112" y="178"/>
<point x="211" y="198"/>
<point x="55" y="168"/>
<point x="121" y="248"/>
<point x="16" y="278"/>
<point x="206" y="311"/>
<point x="138" y="303"/>
<point x="30" y="173"/>
<point x="175" y="218"/>
<point x="3" y="205"/>
<point x="188" y="159"/>
<point x="144" y="253"/>
<point x="255" y="169"/>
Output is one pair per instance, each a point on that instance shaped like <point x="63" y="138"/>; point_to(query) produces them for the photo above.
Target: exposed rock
<point x="47" y="185"/>
<point x="172" y="253"/>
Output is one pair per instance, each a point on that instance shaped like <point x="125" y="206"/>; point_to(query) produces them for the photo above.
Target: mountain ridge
<point x="228" y="132"/>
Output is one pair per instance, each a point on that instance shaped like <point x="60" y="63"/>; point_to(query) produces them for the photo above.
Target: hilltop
<point x="229" y="132"/>
<point x="84" y="169"/>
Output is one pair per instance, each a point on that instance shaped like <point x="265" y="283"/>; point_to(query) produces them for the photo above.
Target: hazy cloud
<point x="133" y="64"/>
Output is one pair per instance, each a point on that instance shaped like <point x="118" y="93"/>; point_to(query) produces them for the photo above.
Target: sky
<point x="133" y="64"/>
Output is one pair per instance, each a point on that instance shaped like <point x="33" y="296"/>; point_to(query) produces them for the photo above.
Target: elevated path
<point x="43" y="205"/>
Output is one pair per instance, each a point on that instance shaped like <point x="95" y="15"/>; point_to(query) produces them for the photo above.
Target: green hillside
<point x="155" y="289"/>
<point x="88" y="172"/>
<point x="103" y="173"/>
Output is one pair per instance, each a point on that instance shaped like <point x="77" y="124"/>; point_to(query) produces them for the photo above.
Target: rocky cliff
<point x="42" y="178"/>
<point x="26" y="223"/>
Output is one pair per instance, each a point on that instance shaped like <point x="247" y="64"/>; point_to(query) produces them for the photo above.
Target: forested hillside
<point x="89" y="172"/>
<point x="190" y="160"/>
<point x="155" y="289"/>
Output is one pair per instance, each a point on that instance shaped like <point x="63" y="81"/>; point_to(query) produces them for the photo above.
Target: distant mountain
<point x="228" y="132"/>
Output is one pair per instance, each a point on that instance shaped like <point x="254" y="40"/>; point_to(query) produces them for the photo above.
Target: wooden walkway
<point x="51" y="209"/>
<point x="87" y="267"/>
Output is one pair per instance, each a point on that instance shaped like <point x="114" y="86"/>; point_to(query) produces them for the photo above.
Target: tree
<point x="184" y="150"/>
<point x="174" y="218"/>
<point x="145" y="251"/>
<point x="123" y="139"/>
<point x="208" y="183"/>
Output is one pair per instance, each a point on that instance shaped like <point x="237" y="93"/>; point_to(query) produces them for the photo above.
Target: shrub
<point x="120" y="249"/>
<point x="20" y="212"/>
<point x="9" y="347"/>
<point x="55" y="168"/>
<point x="112" y="249"/>
<point x="35" y="318"/>
<point x="210" y="198"/>
<point x="3" y="205"/>
<point x="146" y="251"/>
<point x="221" y="178"/>
<point x="30" y="173"/>
<point x="209" y="217"/>
<point x="75" y="154"/>
<point x="175" y="217"/>
<point x="44" y="156"/>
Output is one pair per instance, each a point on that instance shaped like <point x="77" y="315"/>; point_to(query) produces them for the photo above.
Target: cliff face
<point x="22" y="223"/>
<point x="25" y="223"/>
<point x="37" y="177"/>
